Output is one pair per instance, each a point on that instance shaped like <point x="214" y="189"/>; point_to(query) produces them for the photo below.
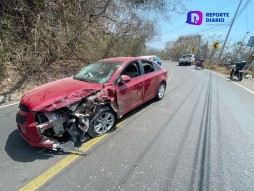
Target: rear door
<point x="151" y="79"/>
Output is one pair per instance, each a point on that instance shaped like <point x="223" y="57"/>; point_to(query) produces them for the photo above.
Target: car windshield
<point x="98" y="72"/>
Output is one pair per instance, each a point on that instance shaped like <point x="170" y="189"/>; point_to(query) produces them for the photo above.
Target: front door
<point x="130" y="95"/>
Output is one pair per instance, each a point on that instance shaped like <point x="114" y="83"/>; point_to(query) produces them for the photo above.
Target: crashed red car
<point x="88" y="103"/>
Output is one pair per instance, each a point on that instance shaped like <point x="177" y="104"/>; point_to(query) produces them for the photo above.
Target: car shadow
<point x="183" y="65"/>
<point x="19" y="150"/>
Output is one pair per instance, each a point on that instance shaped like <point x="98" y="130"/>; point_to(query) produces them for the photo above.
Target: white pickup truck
<point x="186" y="59"/>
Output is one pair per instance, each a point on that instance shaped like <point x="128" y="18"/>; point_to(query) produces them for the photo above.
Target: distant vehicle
<point x="153" y="58"/>
<point x="88" y="103"/>
<point x="186" y="59"/>
<point x="158" y="60"/>
<point x="200" y="63"/>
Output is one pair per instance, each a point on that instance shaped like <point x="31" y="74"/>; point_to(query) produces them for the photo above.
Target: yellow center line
<point x="47" y="175"/>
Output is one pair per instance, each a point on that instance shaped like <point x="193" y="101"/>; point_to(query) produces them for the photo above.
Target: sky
<point x="242" y="28"/>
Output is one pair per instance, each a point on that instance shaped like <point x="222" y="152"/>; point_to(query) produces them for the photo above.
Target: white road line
<point x="247" y="89"/>
<point x="8" y="105"/>
<point x="171" y="75"/>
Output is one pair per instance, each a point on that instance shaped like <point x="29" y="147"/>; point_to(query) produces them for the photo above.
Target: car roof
<point x="149" y="56"/>
<point x="119" y="59"/>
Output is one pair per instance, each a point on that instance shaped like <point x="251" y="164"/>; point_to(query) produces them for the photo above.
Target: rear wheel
<point x="161" y="91"/>
<point x="232" y="74"/>
<point x="103" y="121"/>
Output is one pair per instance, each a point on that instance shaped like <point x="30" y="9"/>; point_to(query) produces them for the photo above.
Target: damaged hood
<point x="58" y="94"/>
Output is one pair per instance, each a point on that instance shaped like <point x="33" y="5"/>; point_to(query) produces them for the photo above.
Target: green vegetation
<point x="41" y="40"/>
<point x="204" y="49"/>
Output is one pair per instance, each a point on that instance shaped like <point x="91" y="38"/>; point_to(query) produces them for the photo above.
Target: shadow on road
<point x="21" y="151"/>
<point x="183" y="65"/>
<point x="197" y="68"/>
<point x="233" y="79"/>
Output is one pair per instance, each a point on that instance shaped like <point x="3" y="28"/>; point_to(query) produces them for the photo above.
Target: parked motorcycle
<point x="237" y="69"/>
<point x="200" y="64"/>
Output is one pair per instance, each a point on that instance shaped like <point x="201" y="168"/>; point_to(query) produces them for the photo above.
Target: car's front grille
<point x="23" y="107"/>
<point x="20" y="119"/>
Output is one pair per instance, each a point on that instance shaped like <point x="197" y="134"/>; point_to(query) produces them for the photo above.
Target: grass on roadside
<point x="225" y="69"/>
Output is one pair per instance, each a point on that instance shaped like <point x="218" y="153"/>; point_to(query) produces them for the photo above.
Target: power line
<point x="243" y="8"/>
<point x="247" y="23"/>
<point x="216" y="29"/>
<point x="230" y="3"/>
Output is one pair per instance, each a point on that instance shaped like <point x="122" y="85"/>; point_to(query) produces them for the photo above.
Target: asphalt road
<point x="199" y="137"/>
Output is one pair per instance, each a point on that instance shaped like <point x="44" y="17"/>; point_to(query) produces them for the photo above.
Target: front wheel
<point x="161" y="91"/>
<point x="240" y="76"/>
<point x="103" y="121"/>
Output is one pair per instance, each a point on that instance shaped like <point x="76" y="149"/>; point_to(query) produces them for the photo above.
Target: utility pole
<point x="229" y="30"/>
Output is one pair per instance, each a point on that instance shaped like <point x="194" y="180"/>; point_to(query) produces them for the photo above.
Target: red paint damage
<point x="58" y="94"/>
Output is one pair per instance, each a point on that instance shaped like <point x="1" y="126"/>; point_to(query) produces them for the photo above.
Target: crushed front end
<point x="52" y="129"/>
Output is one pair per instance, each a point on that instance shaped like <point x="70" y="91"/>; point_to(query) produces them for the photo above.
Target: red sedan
<point x="88" y="103"/>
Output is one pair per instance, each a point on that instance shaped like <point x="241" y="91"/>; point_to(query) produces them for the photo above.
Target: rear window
<point x="149" y="66"/>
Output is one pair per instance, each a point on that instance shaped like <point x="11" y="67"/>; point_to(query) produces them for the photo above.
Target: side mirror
<point x="125" y="79"/>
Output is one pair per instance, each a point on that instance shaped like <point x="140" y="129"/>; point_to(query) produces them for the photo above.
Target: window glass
<point x="156" y="67"/>
<point x="99" y="72"/>
<point x="132" y="70"/>
<point x="148" y="66"/>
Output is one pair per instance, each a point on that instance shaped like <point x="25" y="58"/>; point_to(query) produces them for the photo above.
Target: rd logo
<point x="194" y="18"/>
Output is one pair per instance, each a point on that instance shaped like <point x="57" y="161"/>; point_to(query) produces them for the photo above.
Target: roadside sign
<point x="216" y="45"/>
<point x="193" y="49"/>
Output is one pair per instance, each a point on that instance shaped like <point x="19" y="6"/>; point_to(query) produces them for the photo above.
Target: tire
<point x="102" y="122"/>
<point x="161" y="91"/>
<point x="240" y="76"/>
<point x="202" y="67"/>
<point x="232" y="74"/>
